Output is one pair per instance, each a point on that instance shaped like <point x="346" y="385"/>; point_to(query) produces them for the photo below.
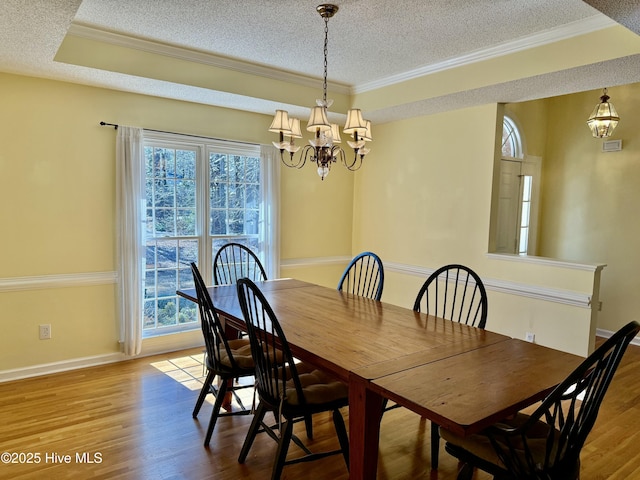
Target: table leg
<point x="365" y="413"/>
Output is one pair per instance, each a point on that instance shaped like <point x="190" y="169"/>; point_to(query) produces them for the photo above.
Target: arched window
<point x="511" y="143"/>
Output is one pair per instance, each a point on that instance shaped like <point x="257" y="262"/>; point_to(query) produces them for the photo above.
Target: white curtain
<point x="272" y="211"/>
<point x="130" y="217"/>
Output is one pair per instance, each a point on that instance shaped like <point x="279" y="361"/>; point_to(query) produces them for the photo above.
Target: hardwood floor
<point x="132" y="420"/>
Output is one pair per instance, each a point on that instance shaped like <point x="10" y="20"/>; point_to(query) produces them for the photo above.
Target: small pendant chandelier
<point x="604" y="118"/>
<point x="323" y="149"/>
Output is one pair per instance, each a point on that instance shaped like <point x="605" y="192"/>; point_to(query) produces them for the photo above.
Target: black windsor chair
<point x="546" y="444"/>
<point x="234" y="261"/>
<point x="226" y="359"/>
<point x="461" y="298"/>
<point x="291" y="390"/>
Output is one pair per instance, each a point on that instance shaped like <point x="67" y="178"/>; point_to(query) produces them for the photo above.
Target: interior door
<point x="508" y="206"/>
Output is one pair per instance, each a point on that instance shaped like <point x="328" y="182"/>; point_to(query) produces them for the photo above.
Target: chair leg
<point x="222" y="391"/>
<point x="466" y="472"/>
<point x="343" y="438"/>
<point x="252" y="432"/>
<point x="308" y="423"/>
<point x="206" y="389"/>
<point x="283" y="448"/>
<point x="435" y="445"/>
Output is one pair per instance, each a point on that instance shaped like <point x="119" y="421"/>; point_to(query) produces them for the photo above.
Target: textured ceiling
<point x="371" y="43"/>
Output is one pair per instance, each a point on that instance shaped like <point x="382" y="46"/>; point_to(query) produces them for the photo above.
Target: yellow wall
<point x="590" y="198"/>
<point x="425" y="201"/>
<point x="422" y="199"/>
<point x="57" y="210"/>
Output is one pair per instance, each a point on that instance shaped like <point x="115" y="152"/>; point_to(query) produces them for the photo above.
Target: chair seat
<point x="241" y="353"/>
<point x="317" y="387"/>
<point x="480" y="444"/>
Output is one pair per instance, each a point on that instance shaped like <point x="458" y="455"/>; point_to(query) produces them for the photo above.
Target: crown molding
<point x="573" y="29"/>
<point x="205" y="58"/>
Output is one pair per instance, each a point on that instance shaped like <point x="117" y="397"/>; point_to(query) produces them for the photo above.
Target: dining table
<point x="461" y="377"/>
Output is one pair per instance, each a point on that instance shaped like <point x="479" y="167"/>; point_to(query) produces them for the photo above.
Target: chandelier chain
<point x="326" y="52"/>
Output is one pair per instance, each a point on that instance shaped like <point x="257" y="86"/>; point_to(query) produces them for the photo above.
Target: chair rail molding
<point x="567" y="297"/>
<point x="13" y="284"/>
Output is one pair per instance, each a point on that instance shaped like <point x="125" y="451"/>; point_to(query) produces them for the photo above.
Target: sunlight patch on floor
<point x="190" y="371"/>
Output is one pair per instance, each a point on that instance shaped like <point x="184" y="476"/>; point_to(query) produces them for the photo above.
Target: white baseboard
<point x="149" y="348"/>
<point x="608" y="334"/>
<point x="62" y="366"/>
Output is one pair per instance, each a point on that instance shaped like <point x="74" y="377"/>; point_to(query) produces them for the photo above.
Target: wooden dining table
<point x="461" y="377"/>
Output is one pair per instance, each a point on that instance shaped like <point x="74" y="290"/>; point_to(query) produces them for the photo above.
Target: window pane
<point x="186" y="221"/>
<point x="167" y="283"/>
<point x="218" y="222"/>
<point x="236" y="169"/>
<point x="524" y="240"/>
<point x="167" y="312"/>
<point x="187" y="312"/>
<point x="525" y="214"/>
<point x="251" y="222"/>
<point x="218" y="167"/>
<point x="164" y="222"/>
<point x="164" y="194"/>
<point x="219" y="195"/>
<point x="186" y="164"/>
<point x="149" y="316"/>
<point x="253" y="170"/>
<point x="236" y="222"/>
<point x="526" y="189"/>
<point x="252" y="196"/>
<point x="185" y="193"/>
<point x="236" y="195"/>
<point x="150" y="284"/>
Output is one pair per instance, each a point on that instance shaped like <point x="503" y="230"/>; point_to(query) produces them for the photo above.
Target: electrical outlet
<point x="45" y="331"/>
<point x="530" y="337"/>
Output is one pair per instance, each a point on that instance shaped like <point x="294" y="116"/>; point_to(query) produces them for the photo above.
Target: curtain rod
<point x="115" y="126"/>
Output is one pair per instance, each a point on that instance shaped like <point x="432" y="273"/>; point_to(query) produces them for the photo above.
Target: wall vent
<point x="612" y="146"/>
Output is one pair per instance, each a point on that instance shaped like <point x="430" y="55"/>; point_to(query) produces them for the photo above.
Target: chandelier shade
<point x="280" y="122"/>
<point x="323" y="150"/>
<point x="604" y="118"/>
<point x="318" y="120"/>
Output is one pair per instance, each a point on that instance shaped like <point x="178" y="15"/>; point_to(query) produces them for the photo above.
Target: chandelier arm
<point x="355" y="164"/>
<point x="288" y="161"/>
<point x="308" y="153"/>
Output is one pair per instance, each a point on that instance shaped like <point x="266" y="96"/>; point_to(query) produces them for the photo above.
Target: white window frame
<point x="268" y="202"/>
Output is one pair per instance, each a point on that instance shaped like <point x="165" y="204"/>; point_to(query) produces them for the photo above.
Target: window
<point x="198" y="197"/>
<point x="518" y="194"/>
<point x="525" y="216"/>
<point x="511" y="144"/>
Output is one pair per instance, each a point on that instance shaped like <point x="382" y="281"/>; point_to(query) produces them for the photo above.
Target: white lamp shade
<point x="367" y="133"/>
<point x="335" y="133"/>
<point x="294" y="126"/>
<point x="354" y="121"/>
<point x="318" y="120"/>
<point x="280" y="122"/>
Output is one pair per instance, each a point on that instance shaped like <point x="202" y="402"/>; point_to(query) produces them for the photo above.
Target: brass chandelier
<point x="323" y="149"/>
